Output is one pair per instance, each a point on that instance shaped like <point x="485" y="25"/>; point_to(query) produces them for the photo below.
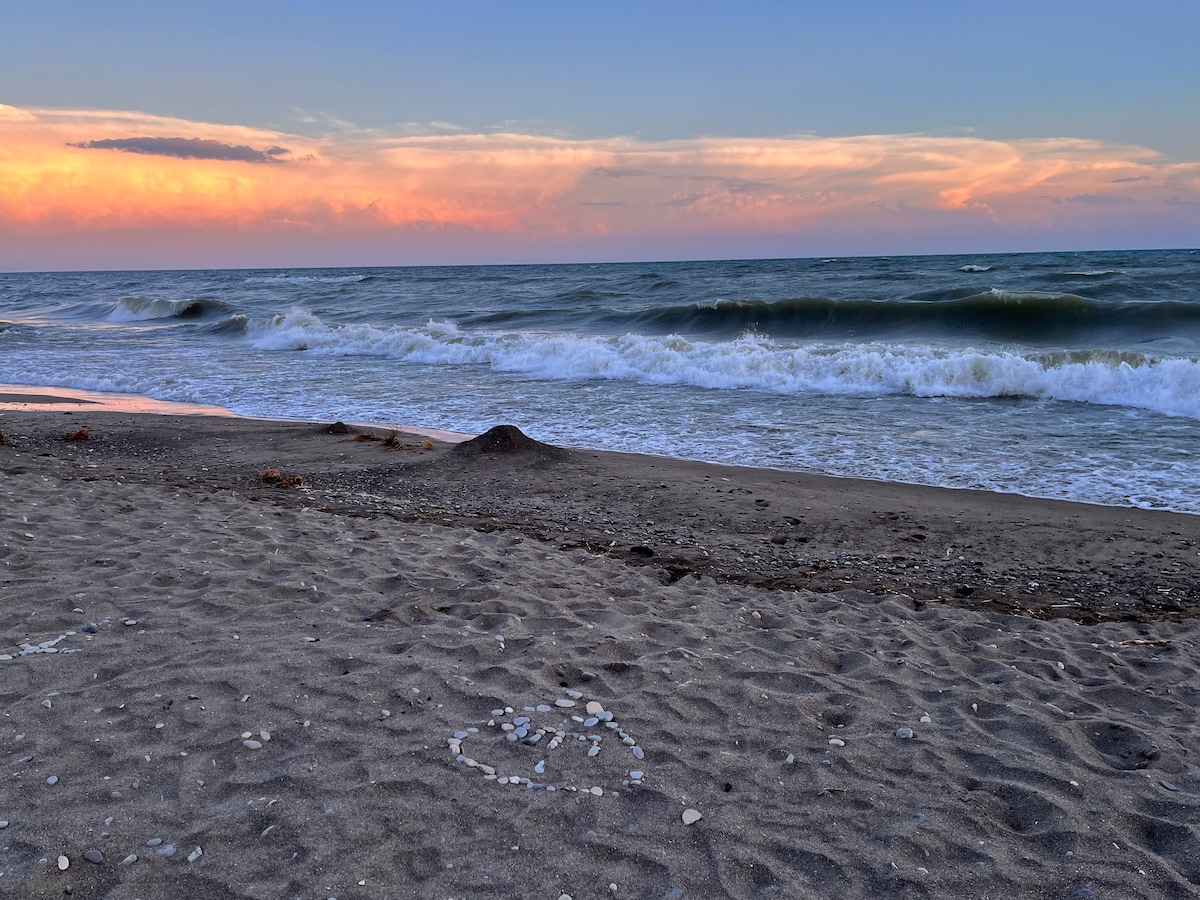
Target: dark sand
<point x="1043" y="654"/>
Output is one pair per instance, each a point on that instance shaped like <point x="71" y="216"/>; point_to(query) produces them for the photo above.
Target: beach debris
<point x="79" y="434"/>
<point x="691" y="816"/>
<point x="2" y="437"/>
<point x="426" y="444"/>
<point x="280" y="478"/>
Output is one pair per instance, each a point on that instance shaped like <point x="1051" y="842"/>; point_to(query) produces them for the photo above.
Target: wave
<point x="142" y="309"/>
<point x="306" y="279"/>
<point x="974" y="268"/>
<point x="755" y="362"/>
<point x="993" y="314"/>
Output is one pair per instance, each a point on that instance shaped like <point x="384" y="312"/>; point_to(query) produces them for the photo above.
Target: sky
<point x="255" y="134"/>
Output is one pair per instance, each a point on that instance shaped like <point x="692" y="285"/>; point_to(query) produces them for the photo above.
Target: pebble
<point x="597" y="791"/>
<point x="638" y="752"/>
<point x="595" y="749"/>
<point x="166" y="850"/>
<point x="129" y="860"/>
<point x="574" y="695"/>
<point x="47" y="704"/>
<point x="131" y="622"/>
<point x="594" y="708"/>
<point x="691" y="816"/>
<point x="195" y="855"/>
<point x="637" y="774"/>
<point x="564" y="704"/>
<point x="837" y="742"/>
<point x="791" y="759"/>
<point x="53" y="779"/>
<point x="925" y="720"/>
<point x="1168" y="785"/>
<point x="153" y="842"/>
<point x="3" y="823"/>
<point x="94" y="856"/>
<point x="904" y="733"/>
<point x="63" y="863"/>
<point x="543" y="707"/>
<point x="252" y="745"/>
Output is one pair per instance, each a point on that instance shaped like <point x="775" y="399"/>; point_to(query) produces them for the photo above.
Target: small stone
<point x="925" y="720"/>
<point x="638" y="752"/>
<point x="153" y="842"/>
<point x="591" y="722"/>
<point x="595" y="707"/>
<point x="52" y="780"/>
<point x="252" y="745"/>
<point x="637" y="774"/>
<point x="597" y="791"/>
<point x="564" y="704"/>
<point x="595" y="749"/>
<point x="837" y="742"/>
<point x="691" y="816"/>
<point x="497" y="712"/>
<point x="543" y="707"/>
<point x="265" y="735"/>
<point x="47" y="704"/>
<point x="94" y="856"/>
<point x="129" y="860"/>
<point x="63" y="863"/>
<point x="195" y="855"/>
<point x="791" y="759"/>
<point x="166" y="850"/>
<point x="574" y="695"/>
<point x="131" y="622"/>
<point x="904" y="733"/>
<point x="1168" y="785"/>
<point x="564" y="897"/>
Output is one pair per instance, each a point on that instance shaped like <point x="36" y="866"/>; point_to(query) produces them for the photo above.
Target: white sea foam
<point x="755" y="362"/>
<point x="974" y="268"/>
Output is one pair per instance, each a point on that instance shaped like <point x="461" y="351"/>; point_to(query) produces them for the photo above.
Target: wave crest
<point x="756" y="362"/>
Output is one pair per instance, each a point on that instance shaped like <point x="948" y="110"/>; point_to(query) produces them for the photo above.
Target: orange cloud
<point x="79" y="172"/>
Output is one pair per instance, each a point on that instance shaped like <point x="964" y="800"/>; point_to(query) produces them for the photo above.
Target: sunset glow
<point x="80" y="178"/>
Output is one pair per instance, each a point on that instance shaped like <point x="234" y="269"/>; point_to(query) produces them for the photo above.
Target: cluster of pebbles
<point x="589" y="729"/>
<point x="50" y="645"/>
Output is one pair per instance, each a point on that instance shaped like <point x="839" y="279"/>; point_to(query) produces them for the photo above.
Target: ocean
<point x="1063" y="375"/>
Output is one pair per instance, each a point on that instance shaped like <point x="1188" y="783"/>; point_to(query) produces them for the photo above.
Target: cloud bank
<point x="185" y="148"/>
<point x="206" y="186"/>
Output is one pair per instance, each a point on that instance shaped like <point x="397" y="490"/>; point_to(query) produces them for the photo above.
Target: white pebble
<point x="691" y="816"/>
<point x="925" y="720"/>
<point x="195" y="855"/>
<point x="564" y="703"/>
<point x="594" y="708"/>
<point x="574" y="695"/>
<point x="63" y="863"/>
<point x="837" y="742"/>
<point x="53" y="779"/>
<point x="598" y="791"/>
<point x="904" y="733"/>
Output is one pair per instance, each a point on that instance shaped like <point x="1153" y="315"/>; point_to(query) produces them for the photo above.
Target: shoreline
<point x="302" y="690"/>
<point x="759" y="527"/>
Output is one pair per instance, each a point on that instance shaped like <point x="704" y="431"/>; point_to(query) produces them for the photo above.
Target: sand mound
<point x="508" y="439"/>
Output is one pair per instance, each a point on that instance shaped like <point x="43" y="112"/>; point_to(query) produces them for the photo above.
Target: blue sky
<point x="1119" y="73"/>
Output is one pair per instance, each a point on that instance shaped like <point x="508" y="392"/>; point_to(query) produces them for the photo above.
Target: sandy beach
<point x="296" y="655"/>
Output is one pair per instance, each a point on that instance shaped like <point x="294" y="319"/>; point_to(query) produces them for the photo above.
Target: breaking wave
<point x="1169" y="385"/>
